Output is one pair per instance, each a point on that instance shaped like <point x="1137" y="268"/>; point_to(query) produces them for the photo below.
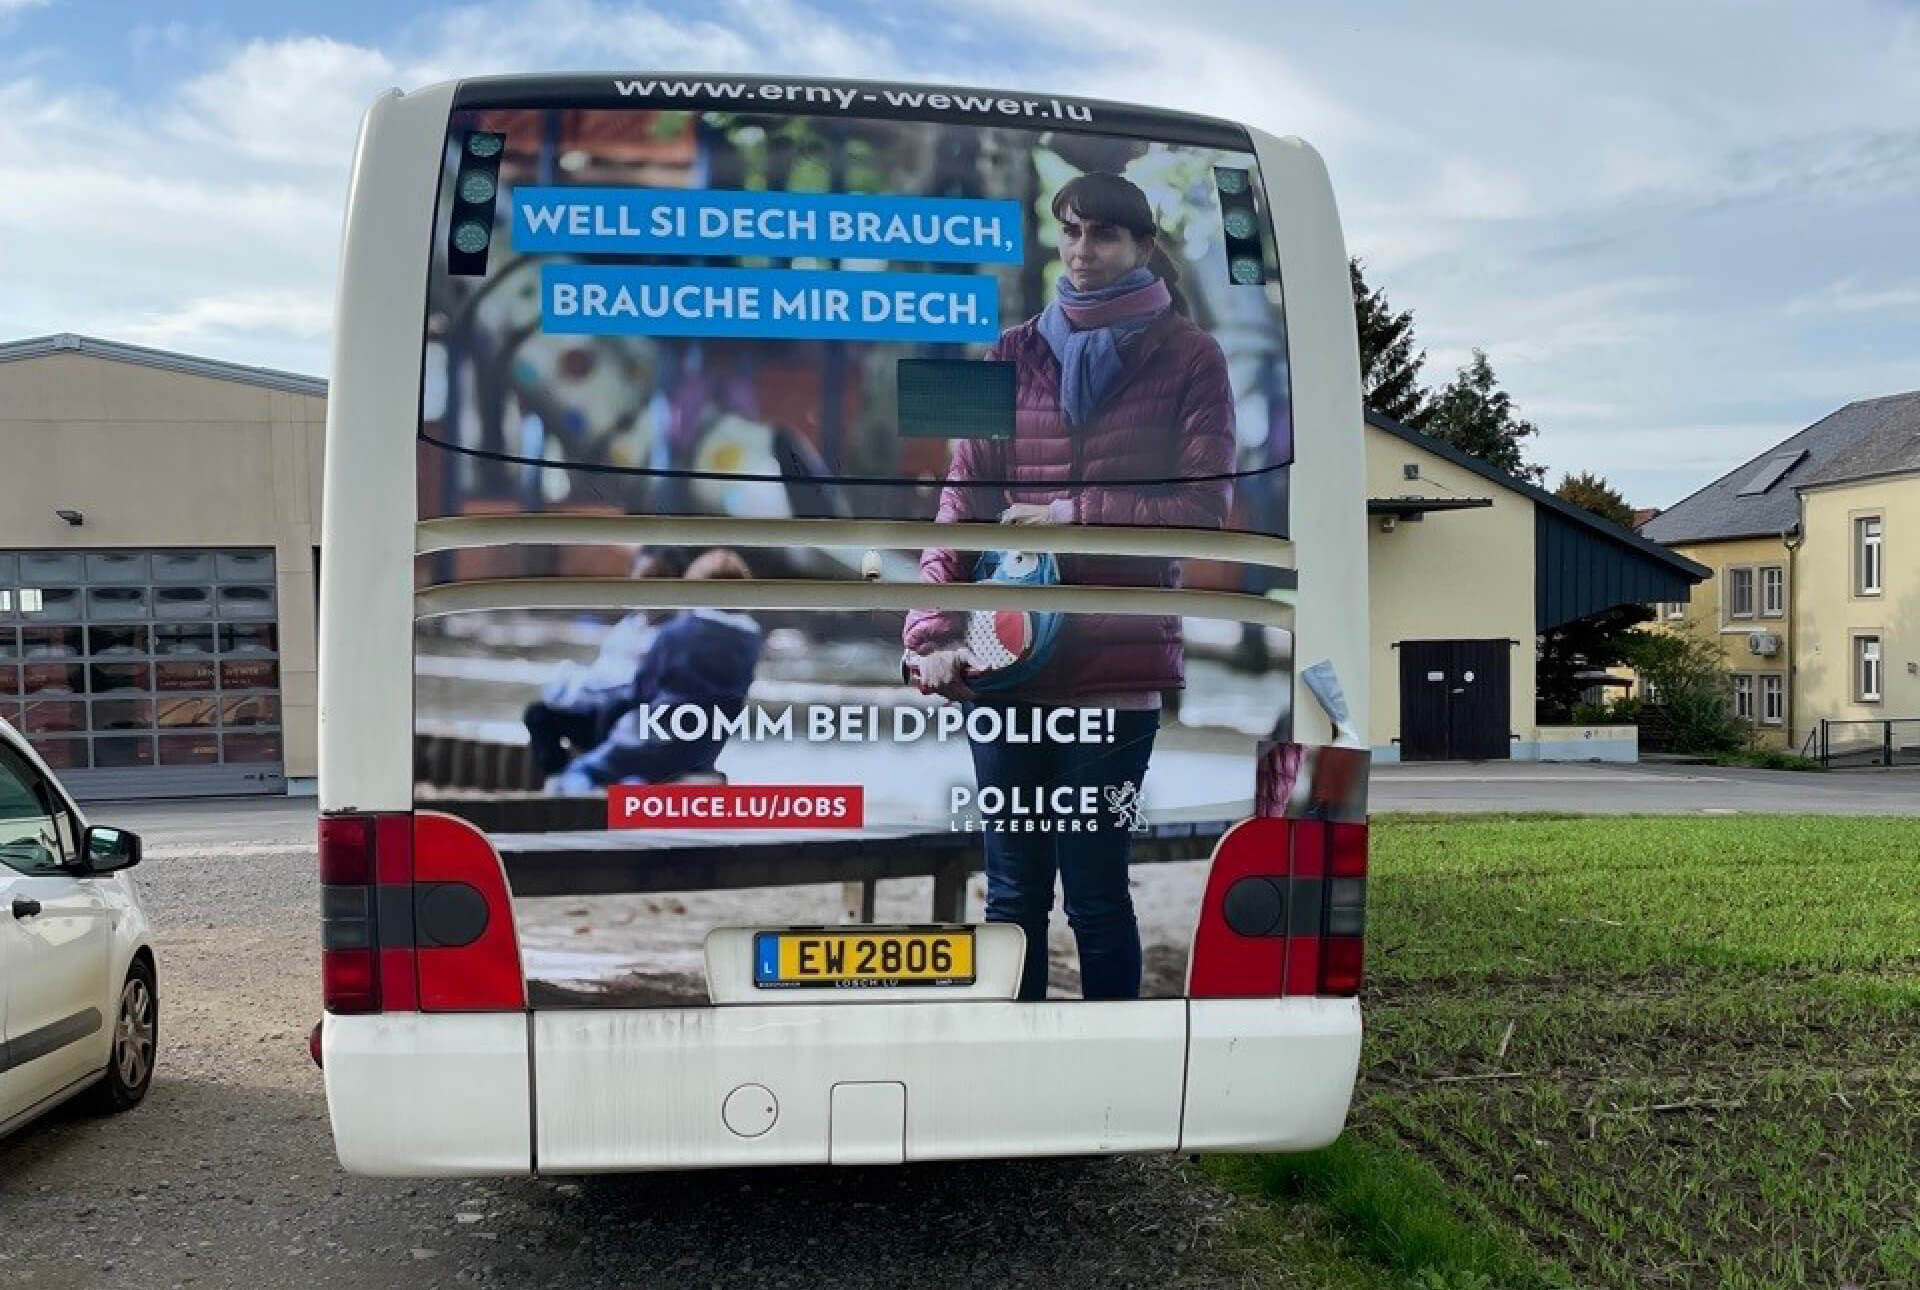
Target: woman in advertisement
<point x="1124" y="416"/>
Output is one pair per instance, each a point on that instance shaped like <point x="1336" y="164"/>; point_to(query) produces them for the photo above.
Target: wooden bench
<point x="584" y="858"/>
<point x="560" y="846"/>
<point x="449" y="761"/>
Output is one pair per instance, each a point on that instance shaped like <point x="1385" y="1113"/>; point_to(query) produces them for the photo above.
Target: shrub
<point x="1687" y="671"/>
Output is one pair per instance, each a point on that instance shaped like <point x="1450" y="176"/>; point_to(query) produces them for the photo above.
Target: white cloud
<point x="232" y="317"/>
<point x="1852" y="296"/>
<point x="209" y="221"/>
<point x="1653" y="239"/>
<point x="295" y="100"/>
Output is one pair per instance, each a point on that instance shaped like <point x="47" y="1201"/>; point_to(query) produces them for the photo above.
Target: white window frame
<point x="1773" y="699"/>
<point x="1753" y="591"/>
<point x="1868" y="654"/>
<point x="1869" y="554"/>
<point x="1774" y="605"/>
<point x="1743" y="692"/>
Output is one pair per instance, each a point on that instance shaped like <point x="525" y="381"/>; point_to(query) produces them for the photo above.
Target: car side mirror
<point x="110" y="850"/>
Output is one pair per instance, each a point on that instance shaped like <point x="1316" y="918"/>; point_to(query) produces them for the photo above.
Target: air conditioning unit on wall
<point x="1765" y="644"/>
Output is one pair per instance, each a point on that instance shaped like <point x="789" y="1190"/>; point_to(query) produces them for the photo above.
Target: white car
<point x="79" y="1009"/>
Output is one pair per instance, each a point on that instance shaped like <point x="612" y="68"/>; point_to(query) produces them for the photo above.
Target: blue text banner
<point x="783" y="304"/>
<point x="642" y="221"/>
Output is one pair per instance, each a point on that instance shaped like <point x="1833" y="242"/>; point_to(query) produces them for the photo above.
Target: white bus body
<point x="419" y="1088"/>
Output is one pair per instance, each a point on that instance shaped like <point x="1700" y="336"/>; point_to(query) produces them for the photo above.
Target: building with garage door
<point x="1468" y="565"/>
<point x="159" y="515"/>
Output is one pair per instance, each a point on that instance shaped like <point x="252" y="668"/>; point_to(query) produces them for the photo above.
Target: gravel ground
<point x="226" y="1176"/>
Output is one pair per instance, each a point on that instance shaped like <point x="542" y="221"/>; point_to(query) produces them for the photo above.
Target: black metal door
<point x="1453" y="700"/>
<point x="1478" y="694"/>
<point x="1425" y="667"/>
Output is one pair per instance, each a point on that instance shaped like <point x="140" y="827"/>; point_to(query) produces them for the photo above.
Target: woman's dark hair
<point x="1113" y="200"/>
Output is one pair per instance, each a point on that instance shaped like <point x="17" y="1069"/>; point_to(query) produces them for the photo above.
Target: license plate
<point x="854" y="960"/>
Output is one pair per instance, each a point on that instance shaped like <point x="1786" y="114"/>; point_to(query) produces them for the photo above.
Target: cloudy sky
<point x="1681" y="231"/>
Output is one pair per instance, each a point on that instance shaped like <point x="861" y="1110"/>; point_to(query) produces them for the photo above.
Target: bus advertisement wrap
<point x="752" y="315"/>
<point x="748" y="761"/>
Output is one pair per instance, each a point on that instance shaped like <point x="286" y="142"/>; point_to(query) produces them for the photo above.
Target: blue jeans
<point x="1091" y="862"/>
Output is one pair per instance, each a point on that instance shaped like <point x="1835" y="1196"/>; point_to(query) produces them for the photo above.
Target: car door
<point x="57" y="940"/>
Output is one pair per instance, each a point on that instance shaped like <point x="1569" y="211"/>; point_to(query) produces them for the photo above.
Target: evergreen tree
<point x="1476" y="416"/>
<point x="1389" y="365"/>
<point x="1591" y="644"/>
<point x="1592" y="492"/>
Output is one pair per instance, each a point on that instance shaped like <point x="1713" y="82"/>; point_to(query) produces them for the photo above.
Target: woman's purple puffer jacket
<point x="1167" y="417"/>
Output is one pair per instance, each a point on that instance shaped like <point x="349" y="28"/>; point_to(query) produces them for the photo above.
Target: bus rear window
<point x="637" y="311"/>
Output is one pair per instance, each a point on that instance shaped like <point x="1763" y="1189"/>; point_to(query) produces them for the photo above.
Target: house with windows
<point x="1815" y="598"/>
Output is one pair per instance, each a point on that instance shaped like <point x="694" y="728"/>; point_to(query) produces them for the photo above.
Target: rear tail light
<point x="1284" y="911"/>
<point x="468" y="952"/>
<point x="415" y="916"/>
<point x="349" y="953"/>
<point x="1240" y="947"/>
<point x="1343" y="932"/>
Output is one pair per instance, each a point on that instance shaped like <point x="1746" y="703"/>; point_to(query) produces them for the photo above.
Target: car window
<point x="30" y="836"/>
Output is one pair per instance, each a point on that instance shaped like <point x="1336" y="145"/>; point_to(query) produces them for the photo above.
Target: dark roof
<point x="1722" y="510"/>
<point x="1415" y="507"/>
<point x="1891" y="447"/>
<point x="68" y="342"/>
<point x="1578" y="517"/>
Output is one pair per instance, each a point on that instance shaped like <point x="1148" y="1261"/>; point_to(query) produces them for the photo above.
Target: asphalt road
<point x="1598" y="789"/>
<point x="250" y="824"/>
<point x="226" y="1175"/>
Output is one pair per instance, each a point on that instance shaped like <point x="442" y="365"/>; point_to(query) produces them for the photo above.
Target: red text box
<point x="735" y="806"/>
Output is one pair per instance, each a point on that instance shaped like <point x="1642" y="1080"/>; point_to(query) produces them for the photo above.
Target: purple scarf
<point x="1086" y="330"/>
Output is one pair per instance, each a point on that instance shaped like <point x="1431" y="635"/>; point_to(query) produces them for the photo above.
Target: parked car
<point x="79" y="1005"/>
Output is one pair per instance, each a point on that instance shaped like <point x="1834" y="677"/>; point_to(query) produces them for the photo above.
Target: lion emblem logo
<point x="1128" y="807"/>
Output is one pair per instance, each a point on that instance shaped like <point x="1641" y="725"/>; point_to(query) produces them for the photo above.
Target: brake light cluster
<point x="415" y="916"/>
<point x="1284" y="911"/>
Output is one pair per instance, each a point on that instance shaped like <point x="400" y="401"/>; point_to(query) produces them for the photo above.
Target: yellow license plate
<point x="784" y="960"/>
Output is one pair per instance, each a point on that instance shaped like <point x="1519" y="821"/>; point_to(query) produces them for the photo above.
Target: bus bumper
<point x="866" y="1083"/>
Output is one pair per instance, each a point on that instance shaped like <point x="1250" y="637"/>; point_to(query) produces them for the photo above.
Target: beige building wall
<point x="1710" y="613"/>
<point x="1830" y="613"/>
<point x="1459" y="575"/>
<point x="159" y="458"/>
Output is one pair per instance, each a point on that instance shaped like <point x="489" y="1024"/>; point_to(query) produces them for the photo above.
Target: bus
<point x="843" y="631"/>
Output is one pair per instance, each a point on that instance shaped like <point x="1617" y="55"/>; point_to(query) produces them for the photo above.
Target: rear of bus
<point x="764" y="555"/>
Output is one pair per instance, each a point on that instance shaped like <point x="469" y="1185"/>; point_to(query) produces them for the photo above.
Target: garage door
<point x="145" y="673"/>
<point x="1454" y="700"/>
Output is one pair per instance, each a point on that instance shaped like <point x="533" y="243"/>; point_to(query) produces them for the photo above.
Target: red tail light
<point x="469" y="955"/>
<point x="1340" y="965"/>
<point x="1240" y="947"/>
<point x="348" y="981"/>
<point x="415" y="916"/>
<point x="1284" y="911"/>
<point x="349" y="948"/>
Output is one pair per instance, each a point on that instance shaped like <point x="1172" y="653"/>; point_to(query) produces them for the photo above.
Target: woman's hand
<point x="1058" y="511"/>
<point x="944" y="673"/>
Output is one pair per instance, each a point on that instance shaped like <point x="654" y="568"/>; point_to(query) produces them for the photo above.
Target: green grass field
<point x="1672" y="1052"/>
